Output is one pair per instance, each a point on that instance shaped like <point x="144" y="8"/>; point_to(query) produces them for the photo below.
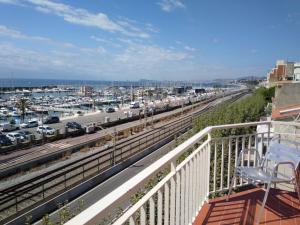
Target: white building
<point x="297" y="71"/>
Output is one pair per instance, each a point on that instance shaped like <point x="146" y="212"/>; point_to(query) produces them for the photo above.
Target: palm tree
<point x="22" y="104"/>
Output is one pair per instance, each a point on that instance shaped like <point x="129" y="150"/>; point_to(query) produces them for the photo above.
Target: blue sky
<point x="145" y="39"/>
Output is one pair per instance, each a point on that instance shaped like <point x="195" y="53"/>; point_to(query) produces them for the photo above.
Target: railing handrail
<point x="98" y="210"/>
<point x="95" y="212"/>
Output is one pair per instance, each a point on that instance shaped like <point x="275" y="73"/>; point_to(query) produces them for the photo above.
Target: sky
<point x="146" y="39"/>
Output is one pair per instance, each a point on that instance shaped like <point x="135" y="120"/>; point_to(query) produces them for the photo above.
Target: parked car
<point x="79" y="113"/>
<point x="134" y="105"/>
<point x="15" y="136"/>
<point x="51" y="119"/>
<point x="29" y="124"/>
<point x="45" y="130"/>
<point x="4" y="140"/>
<point x="73" y="125"/>
<point x="110" y="110"/>
<point x="25" y="133"/>
<point x="8" y="127"/>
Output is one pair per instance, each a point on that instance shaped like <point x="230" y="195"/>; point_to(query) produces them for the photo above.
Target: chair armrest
<point x="285" y="163"/>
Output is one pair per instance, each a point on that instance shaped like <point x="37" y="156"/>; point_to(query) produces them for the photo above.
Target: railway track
<point x="20" y="198"/>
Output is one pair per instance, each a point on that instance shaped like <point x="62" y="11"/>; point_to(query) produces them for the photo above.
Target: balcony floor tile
<point x="282" y="208"/>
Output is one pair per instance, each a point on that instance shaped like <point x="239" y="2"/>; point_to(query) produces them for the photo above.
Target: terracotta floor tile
<point x="282" y="208"/>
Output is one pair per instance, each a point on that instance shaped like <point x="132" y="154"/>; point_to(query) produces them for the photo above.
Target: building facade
<point x="284" y="71"/>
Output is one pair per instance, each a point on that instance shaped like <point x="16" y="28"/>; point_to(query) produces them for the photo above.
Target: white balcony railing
<point x="179" y="196"/>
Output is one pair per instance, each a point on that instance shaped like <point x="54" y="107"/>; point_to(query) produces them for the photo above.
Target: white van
<point x="8" y="127"/>
<point x="29" y="124"/>
<point x="134" y="105"/>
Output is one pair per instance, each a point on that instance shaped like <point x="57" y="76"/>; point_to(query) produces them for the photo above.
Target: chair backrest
<point x="283" y="150"/>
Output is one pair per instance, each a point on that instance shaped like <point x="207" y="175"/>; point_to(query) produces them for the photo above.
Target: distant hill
<point x="251" y="78"/>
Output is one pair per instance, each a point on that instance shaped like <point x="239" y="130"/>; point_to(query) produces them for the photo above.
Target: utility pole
<point x="152" y="119"/>
<point x="145" y="116"/>
<point x="42" y="126"/>
<point x="182" y="106"/>
<point x="114" y="143"/>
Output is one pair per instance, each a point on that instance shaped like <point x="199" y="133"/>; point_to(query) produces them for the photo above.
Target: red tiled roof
<point x="277" y="115"/>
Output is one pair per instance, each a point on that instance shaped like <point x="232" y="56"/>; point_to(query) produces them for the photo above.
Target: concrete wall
<point x="287" y="95"/>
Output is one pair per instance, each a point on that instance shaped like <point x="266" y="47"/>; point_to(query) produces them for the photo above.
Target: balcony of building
<point x="196" y="176"/>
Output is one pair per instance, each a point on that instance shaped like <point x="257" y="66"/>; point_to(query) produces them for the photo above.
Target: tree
<point x="22" y="104"/>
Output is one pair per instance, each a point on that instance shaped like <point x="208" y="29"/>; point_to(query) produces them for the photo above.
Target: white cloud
<point x="151" y="28"/>
<point x="135" y="61"/>
<point x="80" y="61"/>
<point x="12" y="33"/>
<point x="141" y="58"/>
<point x="188" y="48"/>
<point x="170" y="5"/>
<point x="105" y="41"/>
<point x="83" y="17"/>
<point x="5" y="31"/>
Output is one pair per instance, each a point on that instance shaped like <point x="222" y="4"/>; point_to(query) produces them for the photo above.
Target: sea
<point x="19" y="82"/>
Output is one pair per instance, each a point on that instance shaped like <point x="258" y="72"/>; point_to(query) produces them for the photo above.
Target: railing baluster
<point x="131" y="220"/>
<point x="242" y="163"/>
<point x="236" y="158"/>
<point x="222" y="166"/>
<point x="229" y="161"/>
<point x="195" y="186"/>
<point x="202" y="173"/>
<point x="199" y="182"/>
<point x="166" y="204"/>
<point x="207" y="158"/>
<point x="191" y="199"/>
<point x="152" y="211"/>
<point x="173" y="195"/>
<point x="159" y="207"/>
<point x="269" y="130"/>
<point x="249" y="147"/>
<point x="178" y="192"/>
<point x="143" y="215"/>
<point x="182" y="200"/>
<point x="215" y="166"/>
<point x="205" y="177"/>
<point x="255" y="147"/>
<point x="186" y="204"/>
<point x="262" y="144"/>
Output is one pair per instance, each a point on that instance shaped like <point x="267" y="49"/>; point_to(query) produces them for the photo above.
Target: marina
<point x="67" y="101"/>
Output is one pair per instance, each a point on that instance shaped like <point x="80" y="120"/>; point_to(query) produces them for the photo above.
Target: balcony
<point x="196" y="175"/>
